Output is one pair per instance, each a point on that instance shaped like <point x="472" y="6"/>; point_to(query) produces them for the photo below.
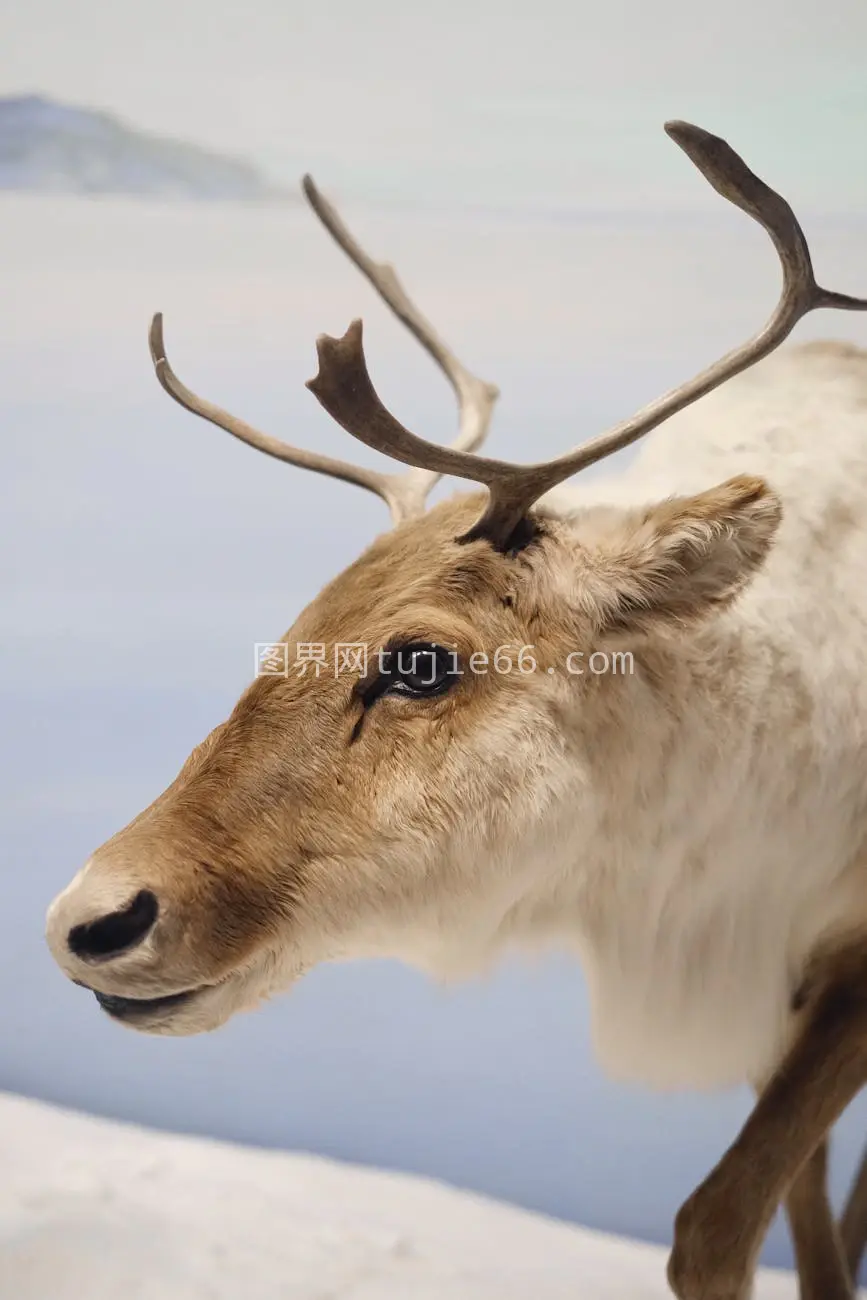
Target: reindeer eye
<point x="419" y="669"/>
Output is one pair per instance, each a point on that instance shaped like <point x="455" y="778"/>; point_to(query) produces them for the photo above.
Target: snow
<point x="95" y="1210"/>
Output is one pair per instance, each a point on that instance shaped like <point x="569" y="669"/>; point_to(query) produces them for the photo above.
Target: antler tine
<point x="475" y="397"/>
<point x="343" y="385"/>
<point x="388" y="486"/>
<point x="344" y="388"/>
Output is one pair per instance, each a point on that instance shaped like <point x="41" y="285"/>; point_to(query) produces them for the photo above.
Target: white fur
<point x="695" y="890"/>
<point x="706" y="907"/>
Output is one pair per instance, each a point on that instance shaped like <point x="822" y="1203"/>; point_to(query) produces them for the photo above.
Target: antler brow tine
<point x="344" y="388"/>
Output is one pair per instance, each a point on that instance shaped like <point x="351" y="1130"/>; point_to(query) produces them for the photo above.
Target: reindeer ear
<point x="684" y="558"/>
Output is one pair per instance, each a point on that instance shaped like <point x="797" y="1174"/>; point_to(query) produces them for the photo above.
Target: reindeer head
<point x="396" y="792"/>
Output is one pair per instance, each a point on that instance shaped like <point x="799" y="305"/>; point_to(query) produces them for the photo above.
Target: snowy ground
<point x="93" y="1210"/>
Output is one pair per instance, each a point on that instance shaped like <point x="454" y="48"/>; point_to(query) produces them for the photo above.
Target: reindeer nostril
<point x="116" y="933"/>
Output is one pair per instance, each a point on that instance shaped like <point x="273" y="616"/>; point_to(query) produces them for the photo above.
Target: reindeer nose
<point x="109" y="936"/>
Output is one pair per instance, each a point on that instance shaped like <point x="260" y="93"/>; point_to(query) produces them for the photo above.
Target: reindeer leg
<point x="720" y="1229"/>
<point x="822" y="1270"/>
<point x="853" y="1225"/>
<point x="819" y="1252"/>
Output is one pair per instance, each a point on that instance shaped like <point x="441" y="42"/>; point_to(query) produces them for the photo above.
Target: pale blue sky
<point x="552" y="102"/>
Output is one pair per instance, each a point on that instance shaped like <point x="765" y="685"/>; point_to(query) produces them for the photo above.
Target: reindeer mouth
<point x="128" y="1009"/>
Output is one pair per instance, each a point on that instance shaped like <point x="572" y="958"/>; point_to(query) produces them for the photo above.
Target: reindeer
<point x="695" y="830"/>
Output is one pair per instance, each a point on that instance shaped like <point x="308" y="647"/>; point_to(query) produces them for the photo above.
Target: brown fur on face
<point x="317" y="822"/>
<point x="301" y="778"/>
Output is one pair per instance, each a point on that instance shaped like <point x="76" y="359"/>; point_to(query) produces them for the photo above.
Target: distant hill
<point x="46" y="147"/>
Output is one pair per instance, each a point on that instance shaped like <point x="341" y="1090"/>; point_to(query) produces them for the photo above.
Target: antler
<point x="475" y="397"/>
<point x="387" y="486"/>
<point x="405" y="493"/>
<point x="344" y="388"/>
